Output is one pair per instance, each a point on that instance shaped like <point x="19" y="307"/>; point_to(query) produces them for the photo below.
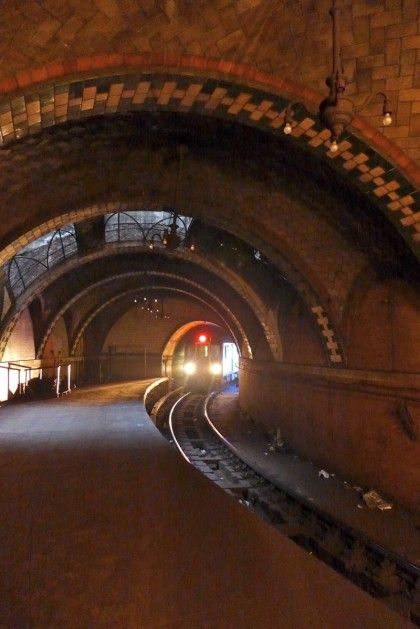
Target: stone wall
<point x="21" y="342"/>
<point x="57" y="343"/>
<point x="19" y="347"/>
<point x="345" y="421"/>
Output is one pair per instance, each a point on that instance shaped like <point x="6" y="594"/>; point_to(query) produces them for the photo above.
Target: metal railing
<point x="17" y="377"/>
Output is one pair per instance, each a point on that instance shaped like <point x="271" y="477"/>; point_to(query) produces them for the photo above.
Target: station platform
<point x="104" y="525"/>
<point x="395" y="529"/>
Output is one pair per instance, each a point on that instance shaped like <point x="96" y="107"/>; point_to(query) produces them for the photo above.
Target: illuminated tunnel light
<point x="190" y="368"/>
<point x="202" y="338"/>
<point x="216" y="369"/>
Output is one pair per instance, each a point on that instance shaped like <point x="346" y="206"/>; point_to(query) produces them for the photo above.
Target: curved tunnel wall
<point x="21" y="346"/>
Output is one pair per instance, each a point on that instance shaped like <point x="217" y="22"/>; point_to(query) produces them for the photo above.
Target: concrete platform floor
<point x="102" y="524"/>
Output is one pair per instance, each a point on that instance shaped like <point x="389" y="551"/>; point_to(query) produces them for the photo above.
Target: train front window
<point x="202" y="351"/>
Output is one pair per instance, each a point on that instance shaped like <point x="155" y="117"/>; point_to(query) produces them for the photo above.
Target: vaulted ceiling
<point x="290" y="39"/>
<point x="96" y="96"/>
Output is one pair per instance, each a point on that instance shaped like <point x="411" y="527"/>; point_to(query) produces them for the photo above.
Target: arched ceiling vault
<point x="227" y="319"/>
<point x="263" y="304"/>
<point x="357" y="209"/>
<point x="238" y="283"/>
<point x="253" y="39"/>
<point x="259" y="200"/>
<point x="368" y="161"/>
<point x="238" y="316"/>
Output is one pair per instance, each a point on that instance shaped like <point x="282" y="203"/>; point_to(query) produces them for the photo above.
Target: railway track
<point x="380" y="572"/>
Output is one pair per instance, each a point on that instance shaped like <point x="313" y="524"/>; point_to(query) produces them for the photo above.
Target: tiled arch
<point x="105" y="84"/>
<point x="178" y="291"/>
<point x="255" y="303"/>
<point x="110" y="279"/>
<point x="331" y="340"/>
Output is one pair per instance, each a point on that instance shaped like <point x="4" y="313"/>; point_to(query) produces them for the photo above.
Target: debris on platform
<point x="323" y="474"/>
<point x="375" y="501"/>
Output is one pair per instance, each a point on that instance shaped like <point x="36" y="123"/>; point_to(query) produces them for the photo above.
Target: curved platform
<point x="104" y="525"/>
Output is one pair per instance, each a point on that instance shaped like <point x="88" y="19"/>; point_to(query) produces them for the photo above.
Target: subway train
<point x="209" y="364"/>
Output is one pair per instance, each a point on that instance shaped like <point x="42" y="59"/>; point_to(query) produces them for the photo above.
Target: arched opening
<point x="174" y="352"/>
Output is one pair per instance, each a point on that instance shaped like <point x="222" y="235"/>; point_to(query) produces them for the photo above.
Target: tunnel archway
<point x="96" y="311"/>
<point x="57" y="275"/>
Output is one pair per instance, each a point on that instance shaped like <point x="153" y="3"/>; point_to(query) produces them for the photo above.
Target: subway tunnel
<point x="152" y="194"/>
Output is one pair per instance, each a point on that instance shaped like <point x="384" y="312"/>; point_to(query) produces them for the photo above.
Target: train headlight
<point x="190" y="368"/>
<point x="216" y="369"/>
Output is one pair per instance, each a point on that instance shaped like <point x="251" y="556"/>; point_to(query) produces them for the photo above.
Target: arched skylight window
<point x="147" y="227"/>
<point x="39" y="256"/>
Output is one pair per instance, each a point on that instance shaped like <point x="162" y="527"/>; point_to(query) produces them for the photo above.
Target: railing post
<point x="58" y="380"/>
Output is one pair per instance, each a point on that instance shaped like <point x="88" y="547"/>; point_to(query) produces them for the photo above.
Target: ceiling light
<point x="336" y="111"/>
<point x="287" y="128"/>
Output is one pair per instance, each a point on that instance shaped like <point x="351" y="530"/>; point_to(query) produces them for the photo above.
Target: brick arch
<point x="242" y="289"/>
<point x="330" y="337"/>
<point x="108" y="302"/>
<point x="103" y="64"/>
<point x="367" y="158"/>
<point x="62" y="310"/>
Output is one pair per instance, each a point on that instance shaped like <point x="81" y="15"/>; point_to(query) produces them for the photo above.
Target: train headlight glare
<point x="216" y="369"/>
<point x="190" y="368"/>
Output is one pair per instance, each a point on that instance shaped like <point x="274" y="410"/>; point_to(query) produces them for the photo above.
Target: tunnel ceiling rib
<point x="356" y="160"/>
<point x="42" y="78"/>
<point x="291" y="273"/>
<point x="328" y="334"/>
<point x="136" y="274"/>
<point x="208" y="304"/>
<point x="262" y="313"/>
<point x="122" y="151"/>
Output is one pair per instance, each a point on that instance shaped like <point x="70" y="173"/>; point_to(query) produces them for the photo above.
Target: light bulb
<point x="334" y="146"/>
<point x="287" y="128"/>
<point x="192" y="248"/>
<point x="151" y="246"/>
<point x="387" y="119"/>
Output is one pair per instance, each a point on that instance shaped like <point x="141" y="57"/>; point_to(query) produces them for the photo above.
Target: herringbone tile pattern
<point x="291" y="38"/>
